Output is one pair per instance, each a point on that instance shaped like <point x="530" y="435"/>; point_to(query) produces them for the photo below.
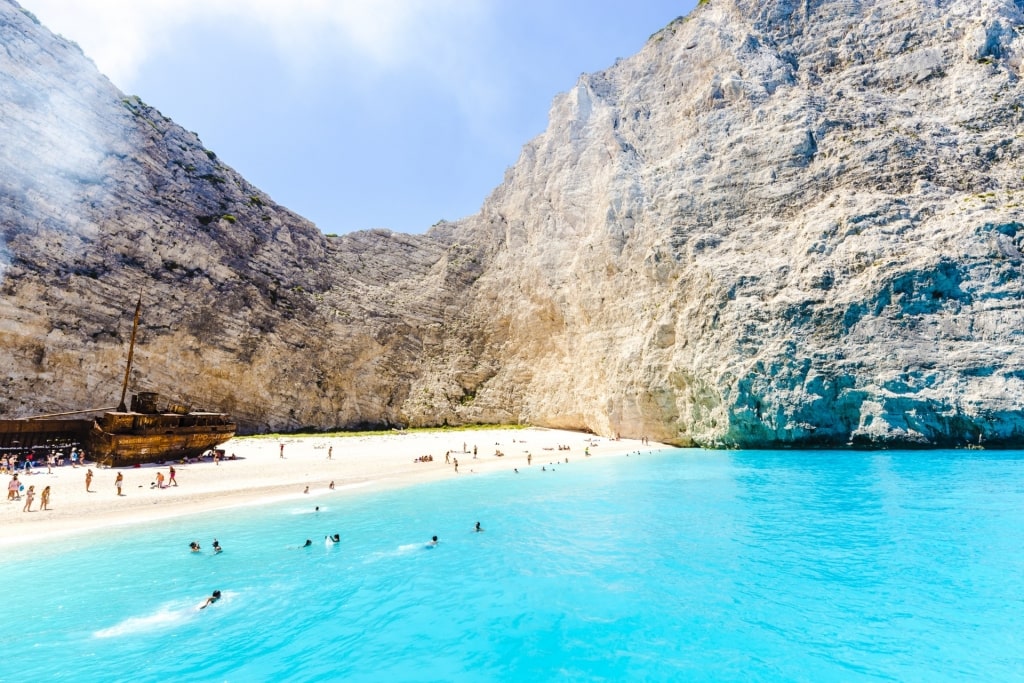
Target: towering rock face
<point x="780" y="223"/>
<point x="246" y="306"/>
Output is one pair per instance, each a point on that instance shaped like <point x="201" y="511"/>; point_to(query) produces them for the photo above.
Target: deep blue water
<point x="684" y="565"/>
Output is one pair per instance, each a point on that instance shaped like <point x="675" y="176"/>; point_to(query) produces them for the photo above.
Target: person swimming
<point x="307" y="543"/>
<point x="478" y="527"/>
<point x="432" y="542"/>
<point x="331" y="540"/>
<point x="216" y="546"/>
<point x="210" y="600"/>
<point x="194" y="547"/>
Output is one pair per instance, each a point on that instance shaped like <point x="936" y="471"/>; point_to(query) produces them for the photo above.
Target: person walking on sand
<point x="88" y="480"/>
<point x="44" y="499"/>
<point x="29" y="497"/>
<point x="12" y="488"/>
<point x="171" y="481"/>
<point x="282" y="451"/>
<point x="330" y="452"/>
<point x="118" y="482"/>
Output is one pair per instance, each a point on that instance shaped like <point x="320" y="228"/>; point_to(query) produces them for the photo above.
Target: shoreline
<point x="260" y="475"/>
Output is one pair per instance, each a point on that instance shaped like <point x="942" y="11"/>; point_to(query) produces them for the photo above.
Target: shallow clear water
<point x="681" y="565"/>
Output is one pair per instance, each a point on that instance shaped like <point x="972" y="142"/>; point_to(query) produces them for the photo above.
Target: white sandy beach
<point x="259" y="475"/>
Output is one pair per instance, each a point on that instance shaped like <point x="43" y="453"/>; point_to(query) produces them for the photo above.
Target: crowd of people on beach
<point x="28" y="462"/>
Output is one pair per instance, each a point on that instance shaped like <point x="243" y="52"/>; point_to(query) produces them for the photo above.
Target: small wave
<point x="309" y="511"/>
<point x="166" y="616"/>
<point x="404" y="549"/>
<point x="354" y="485"/>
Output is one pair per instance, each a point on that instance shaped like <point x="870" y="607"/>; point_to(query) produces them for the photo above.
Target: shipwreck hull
<point x="25" y="435"/>
<point x="126" y="439"/>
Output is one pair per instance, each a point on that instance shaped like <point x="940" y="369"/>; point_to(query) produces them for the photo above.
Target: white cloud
<point x="121" y="35"/>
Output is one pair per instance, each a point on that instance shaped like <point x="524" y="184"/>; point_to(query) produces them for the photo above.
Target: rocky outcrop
<point x="780" y="224"/>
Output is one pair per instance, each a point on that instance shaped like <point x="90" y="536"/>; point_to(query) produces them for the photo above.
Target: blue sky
<point x="359" y="113"/>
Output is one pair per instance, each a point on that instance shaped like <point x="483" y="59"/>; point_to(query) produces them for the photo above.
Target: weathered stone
<point x="779" y="224"/>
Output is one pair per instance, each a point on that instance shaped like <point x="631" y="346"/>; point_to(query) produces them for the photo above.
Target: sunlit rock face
<point x="780" y="224"/>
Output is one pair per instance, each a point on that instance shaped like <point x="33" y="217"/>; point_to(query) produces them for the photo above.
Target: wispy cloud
<point x="121" y="35"/>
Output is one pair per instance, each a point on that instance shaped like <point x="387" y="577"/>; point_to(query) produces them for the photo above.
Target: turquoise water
<point x="682" y="565"/>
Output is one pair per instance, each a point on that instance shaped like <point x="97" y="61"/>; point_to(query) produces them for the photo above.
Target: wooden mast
<point x="131" y="352"/>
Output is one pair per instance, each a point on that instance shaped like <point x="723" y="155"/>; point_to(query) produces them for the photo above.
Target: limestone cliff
<point x="246" y="306"/>
<point x="781" y="223"/>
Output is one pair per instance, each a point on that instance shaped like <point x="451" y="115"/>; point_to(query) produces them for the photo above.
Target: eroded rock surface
<point x="781" y="223"/>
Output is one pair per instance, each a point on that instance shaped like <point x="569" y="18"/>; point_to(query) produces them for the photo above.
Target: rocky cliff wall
<point x="781" y="223"/>
<point x="246" y="306"/>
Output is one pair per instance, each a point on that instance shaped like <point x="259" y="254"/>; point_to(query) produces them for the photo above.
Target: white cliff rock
<point x="780" y="224"/>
